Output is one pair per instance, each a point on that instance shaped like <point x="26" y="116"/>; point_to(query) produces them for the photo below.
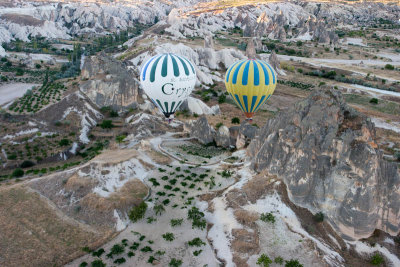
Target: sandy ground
<point x="12" y="91"/>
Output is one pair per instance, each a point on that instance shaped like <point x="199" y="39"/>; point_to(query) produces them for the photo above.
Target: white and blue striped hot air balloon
<point x="168" y="80"/>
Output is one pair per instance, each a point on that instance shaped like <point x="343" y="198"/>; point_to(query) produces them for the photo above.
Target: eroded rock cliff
<point x="325" y="152"/>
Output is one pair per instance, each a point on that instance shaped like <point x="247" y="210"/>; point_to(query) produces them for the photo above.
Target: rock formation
<point x="235" y="136"/>
<point x="274" y="61"/>
<point x="326" y="154"/>
<point x="109" y="83"/>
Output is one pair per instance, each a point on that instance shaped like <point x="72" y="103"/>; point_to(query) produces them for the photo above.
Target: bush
<point x="219" y="124"/>
<point x="83" y="264"/>
<point x="222" y="99"/>
<point x="397" y="156"/>
<point x="114" y="114"/>
<point x="267" y="217"/>
<point x="120" y="138"/>
<point x="389" y="67"/>
<point x="17" y="173"/>
<point x="374" y="101"/>
<point x="377" y="259"/>
<point x="138" y="212"/>
<point x="120" y="261"/>
<point x="293" y="263"/>
<point x="27" y="164"/>
<point x="159" y="209"/>
<point x="117" y="249"/>
<point x="64" y="142"/>
<point x="106" y="124"/>
<point x="175" y="263"/>
<point x="235" y="120"/>
<point x="12" y="156"/>
<point x="98" y="253"/>
<point x="196" y="242"/>
<point x="168" y="237"/>
<point x="278" y="260"/>
<point x="176" y="222"/>
<point x="319" y="217"/>
<point x="19" y="72"/>
<point x="264" y="261"/>
<point x="98" y="263"/>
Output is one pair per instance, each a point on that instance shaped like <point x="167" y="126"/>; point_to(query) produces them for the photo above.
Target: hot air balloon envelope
<point x="168" y="80"/>
<point x="250" y="83"/>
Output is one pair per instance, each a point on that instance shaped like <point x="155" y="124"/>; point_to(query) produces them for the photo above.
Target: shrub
<point x="138" y="212"/>
<point x="19" y="72"/>
<point x="197" y="252"/>
<point x="120" y="138"/>
<point x="389" y="67"/>
<point x="12" y="156"/>
<point x="319" y="217"/>
<point x="120" y="260"/>
<point x="106" y="124"/>
<point x="146" y="249"/>
<point x="168" y="237"/>
<point x="176" y="222"/>
<point x="17" y="173"/>
<point x="377" y="259"/>
<point x="83" y="264"/>
<point x="98" y="253"/>
<point x="397" y="156"/>
<point x="117" y="249"/>
<point x="98" y="263"/>
<point x="130" y="254"/>
<point x="293" y="263"/>
<point x="113" y="114"/>
<point x="374" y="101"/>
<point x="264" y="261"/>
<point x="64" y="142"/>
<point x="151" y="259"/>
<point x="278" y="260"/>
<point x="222" y="99"/>
<point x="196" y="242"/>
<point x="175" y="263"/>
<point x="159" y="209"/>
<point x="235" y="120"/>
<point x="267" y="217"/>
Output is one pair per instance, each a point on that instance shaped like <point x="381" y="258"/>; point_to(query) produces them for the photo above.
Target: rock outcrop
<point x="326" y="154"/>
<point x="235" y="136"/>
<point x="196" y="106"/>
<point x="109" y="82"/>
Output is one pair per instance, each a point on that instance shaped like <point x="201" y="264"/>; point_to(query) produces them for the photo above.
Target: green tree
<point x="377" y="260"/>
<point x="235" y="120"/>
<point x="120" y="138"/>
<point x="264" y="261"/>
<point x="98" y="263"/>
<point x="293" y="263"/>
<point x="18" y="173"/>
<point x="138" y="212"/>
<point x="106" y="124"/>
<point x="159" y="209"/>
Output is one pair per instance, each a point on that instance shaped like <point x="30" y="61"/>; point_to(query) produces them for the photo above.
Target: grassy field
<point x="383" y="106"/>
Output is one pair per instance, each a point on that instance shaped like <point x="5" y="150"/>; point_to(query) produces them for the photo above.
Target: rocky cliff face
<point x="326" y="154"/>
<point x="109" y="82"/>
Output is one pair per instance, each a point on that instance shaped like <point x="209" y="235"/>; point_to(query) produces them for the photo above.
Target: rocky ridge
<point x="326" y="154"/>
<point x="107" y="82"/>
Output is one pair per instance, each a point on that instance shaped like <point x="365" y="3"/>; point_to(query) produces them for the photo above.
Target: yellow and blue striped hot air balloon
<point x="250" y="83"/>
